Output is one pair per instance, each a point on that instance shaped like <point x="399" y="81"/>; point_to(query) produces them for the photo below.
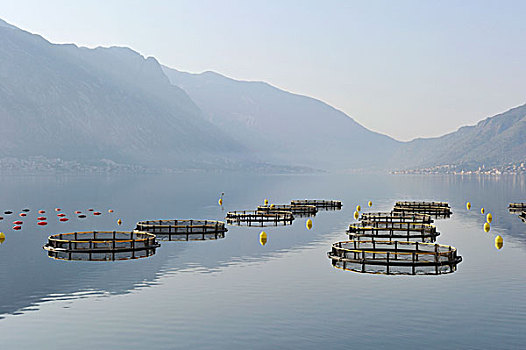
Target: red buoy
<point x="42" y="223"/>
<point x="110" y="210"/>
<point x="97" y="213"/>
<point x="61" y="215"/>
<point x="58" y="209"/>
<point x="18" y="222"/>
<point x="90" y="209"/>
<point x="17" y="227"/>
<point x="63" y="219"/>
<point x="41" y="211"/>
<point x="77" y="212"/>
<point x="22" y="214"/>
<point x="41" y="218"/>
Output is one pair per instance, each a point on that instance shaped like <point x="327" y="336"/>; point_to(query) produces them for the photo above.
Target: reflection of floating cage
<point x="393" y="257"/>
<point x="184" y="230"/>
<point x="258" y="218"/>
<point x="101" y="245"/>
<point x="393" y="230"/>
<point x="319" y="203"/>
<point x="397" y="217"/>
<point x="300" y="210"/>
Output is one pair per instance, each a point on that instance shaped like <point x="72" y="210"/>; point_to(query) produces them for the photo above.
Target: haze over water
<point x="236" y="293"/>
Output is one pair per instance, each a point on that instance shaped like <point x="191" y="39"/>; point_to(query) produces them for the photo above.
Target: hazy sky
<point x="405" y="68"/>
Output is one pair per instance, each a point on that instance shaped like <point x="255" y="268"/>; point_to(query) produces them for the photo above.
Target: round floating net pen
<point x="298" y="210"/>
<point x="319" y="203"/>
<point x="408" y="231"/>
<point x="258" y="218"/>
<point x="517" y="207"/>
<point x="394" y="257"/>
<point x="101" y="245"/>
<point x="184" y="230"/>
<point x="396" y="217"/>
<point x="436" y="209"/>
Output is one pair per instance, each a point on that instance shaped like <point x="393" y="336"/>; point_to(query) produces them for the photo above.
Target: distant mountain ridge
<point x="112" y="108"/>
<point x="494" y="141"/>
<point x="284" y="126"/>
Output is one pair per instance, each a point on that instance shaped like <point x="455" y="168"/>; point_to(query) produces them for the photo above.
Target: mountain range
<point x="72" y="104"/>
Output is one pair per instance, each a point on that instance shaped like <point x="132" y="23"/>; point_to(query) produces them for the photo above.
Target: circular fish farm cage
<point x="101" y="245"/>
<point x="408" y="231"/>
<point x="184" y="230"/>
<point x="258" y="218"/>
<point x="298" y="210"/>
<point x="394" y="257"/>
<point x="517" y="208"/>
<point x="319" y="203"/>
<point x="396" y="217"/>
<point x="437" y="209"/>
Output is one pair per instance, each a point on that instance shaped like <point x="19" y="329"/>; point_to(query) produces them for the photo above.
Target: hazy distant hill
<point x="285" y="127"/>
<point x="493" y="141"/>
<point x="76" y="103"/>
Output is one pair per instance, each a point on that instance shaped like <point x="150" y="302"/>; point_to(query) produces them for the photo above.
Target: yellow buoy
<point x="486" y="227"/>
<point x="468" y="205"/>
<point x="265" y="201"/>
<point x="358" y="208"/>
<point x="2" y="237"/>
<point x="272" y="206"/>
<point x="119" y="222"/>
<point x="220" y="201"/>
<point x="263" y="238"/>
<point x="370" y="204"/>
<point x="356" y="215"/>
<point x="482" y="210"/>
<point x="499" y="242"/>
<point x="489" y="218"/>
<point x="309" y="224"/>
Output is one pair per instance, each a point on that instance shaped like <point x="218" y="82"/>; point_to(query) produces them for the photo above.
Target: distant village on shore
<point x="454" y="169"/>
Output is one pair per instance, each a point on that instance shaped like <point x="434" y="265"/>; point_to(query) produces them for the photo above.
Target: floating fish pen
<point x="319" y="203"/>
<point x="396" y="217"/>
<point x="522" y="216"/>
<point x="258" y="218"/>
<point x="101" y="245"/>
<point x="298" y="210"/>
<point x="394" y="257"/>
<point x="436" y="209"/>
<point x="408" y="231"/>
<point x="184" y="230"/>
<point x="517" y="207"/>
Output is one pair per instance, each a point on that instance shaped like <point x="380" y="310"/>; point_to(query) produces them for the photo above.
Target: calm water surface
<point x="234" y="292"/>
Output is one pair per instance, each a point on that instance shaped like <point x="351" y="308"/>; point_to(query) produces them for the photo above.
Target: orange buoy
<point x="17" y="227"/>
<point x="42" y="223"/>
<point x="58" y="209"/>
<point x="63" y="219"/>
<point x="22" y="214"/>
<point x="41" y="218"/>
<point x="41" y="211"/>
<point x="18" y="222"/>
<point x="110" y="210"/>
<point x="77" y="212"/>
<point x="97" y="213"/>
